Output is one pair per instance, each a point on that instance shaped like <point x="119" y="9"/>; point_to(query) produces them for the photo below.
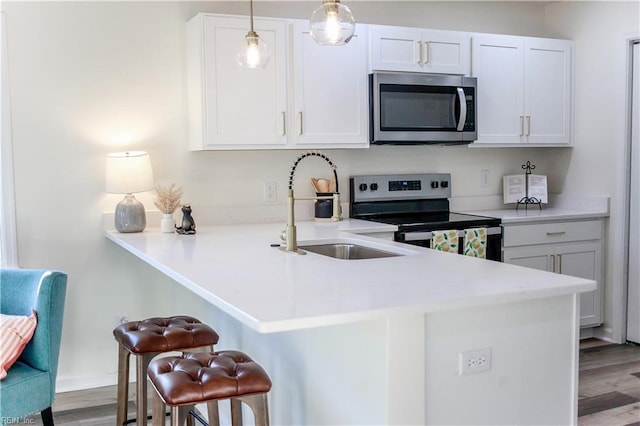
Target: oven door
<point x="423" y="239"/>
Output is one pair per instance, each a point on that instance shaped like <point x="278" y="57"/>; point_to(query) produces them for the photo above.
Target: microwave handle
<point x="463" y="109"/>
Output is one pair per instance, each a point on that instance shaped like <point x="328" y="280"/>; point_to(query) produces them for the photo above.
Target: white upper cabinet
<point x="312" y="96"/>
<point x="547" y="90"/>
<point x="330" y="91"/>
<point x="232" y="107"/>
<point x="524" y="90"/>
<point x="419" y="50"/>
<point x="308" y="95"/>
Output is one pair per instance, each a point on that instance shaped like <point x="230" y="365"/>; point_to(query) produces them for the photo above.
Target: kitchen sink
<point x="348" y="251"/>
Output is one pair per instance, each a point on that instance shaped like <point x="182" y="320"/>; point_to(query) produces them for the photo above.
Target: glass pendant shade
<point x="253" y="52"/>
<point x="332" y="24"/>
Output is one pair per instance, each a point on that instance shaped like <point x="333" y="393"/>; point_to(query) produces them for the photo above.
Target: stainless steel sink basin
<point x="348" y="251"/>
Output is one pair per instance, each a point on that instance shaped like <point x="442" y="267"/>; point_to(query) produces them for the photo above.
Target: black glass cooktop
<point x="437" y="221"/>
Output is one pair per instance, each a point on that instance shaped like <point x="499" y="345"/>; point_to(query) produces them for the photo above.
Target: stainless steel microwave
<point x="412" y="108"/>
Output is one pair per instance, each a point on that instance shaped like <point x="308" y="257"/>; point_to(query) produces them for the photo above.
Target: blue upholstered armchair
<point x="30" y="383"/>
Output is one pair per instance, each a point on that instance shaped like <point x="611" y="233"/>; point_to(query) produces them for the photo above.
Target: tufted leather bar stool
<point x="181" y="382"/>
<point x="147" y="338"/>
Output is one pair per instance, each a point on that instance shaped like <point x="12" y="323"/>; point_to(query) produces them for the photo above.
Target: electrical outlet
<point x="270" y="192"/>
<point x="476" y="361"/>
<point x="484" y="178"/>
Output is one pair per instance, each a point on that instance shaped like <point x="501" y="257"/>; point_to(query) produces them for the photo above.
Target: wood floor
<point x="609" y="392"/>
<point x="609" y="384"/>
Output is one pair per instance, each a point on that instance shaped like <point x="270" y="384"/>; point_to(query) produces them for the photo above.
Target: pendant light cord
<point x="251" y="14"/>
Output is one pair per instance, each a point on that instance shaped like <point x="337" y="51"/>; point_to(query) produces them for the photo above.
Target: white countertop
<point x="534" y="214"/>
<point x="235" y="268"/>
<point x="560" y="207"/>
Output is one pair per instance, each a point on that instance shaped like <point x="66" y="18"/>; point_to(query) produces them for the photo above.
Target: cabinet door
<point x="547" y="95"/>
<point x="584" y="261"/>
<point x="535" y="257"/>
<point x="416" y="50"/>
<point x="242" y="108"/>
<point x="497" y="62"/>
<point x="395" y="48"/>
<point x="330" y="92"/>
<point x="446" y="52"/>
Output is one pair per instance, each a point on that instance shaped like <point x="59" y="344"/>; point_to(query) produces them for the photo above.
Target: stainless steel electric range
<point x="417" y="204"/>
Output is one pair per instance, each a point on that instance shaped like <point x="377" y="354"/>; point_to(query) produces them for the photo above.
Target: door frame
<point x="8" y="233"/>
<point x="630" y="41"/>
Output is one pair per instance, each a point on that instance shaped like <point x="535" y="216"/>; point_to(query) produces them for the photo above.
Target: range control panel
<point x="400" y="187"/>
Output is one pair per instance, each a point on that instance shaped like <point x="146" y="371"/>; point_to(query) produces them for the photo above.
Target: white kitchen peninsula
<point x="378" y="341"/>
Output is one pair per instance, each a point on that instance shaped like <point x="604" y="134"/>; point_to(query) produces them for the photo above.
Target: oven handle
<point x="425" y="236"/>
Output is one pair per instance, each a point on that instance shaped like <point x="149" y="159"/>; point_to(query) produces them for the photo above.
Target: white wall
<point x="597" y="164"/>
<point x="89" y="78"/>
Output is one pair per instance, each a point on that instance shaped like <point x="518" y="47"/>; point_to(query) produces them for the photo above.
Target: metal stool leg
<point x="236" y="412"/>
<point x="259" y="406"/>
<point x="179" y="414"/>
<point x="142" y="363"/>
<point x="123" y="385"/>
<point x="213" y="413"/>
<point x="158" y="411"/>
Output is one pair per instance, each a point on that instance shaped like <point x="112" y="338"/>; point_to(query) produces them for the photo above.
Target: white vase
<point x="167" y="224"/>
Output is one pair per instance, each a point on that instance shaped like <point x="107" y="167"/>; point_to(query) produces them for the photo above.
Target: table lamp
<point x="127" y="173"/>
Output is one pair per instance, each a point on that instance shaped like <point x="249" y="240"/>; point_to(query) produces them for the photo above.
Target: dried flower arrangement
<point x="168" y="198"/>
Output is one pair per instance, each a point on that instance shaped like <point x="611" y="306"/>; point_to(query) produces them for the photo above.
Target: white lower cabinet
<point x="570" y="248"/>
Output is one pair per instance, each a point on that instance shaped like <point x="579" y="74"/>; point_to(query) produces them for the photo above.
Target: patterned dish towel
<point x="445" y="241"/>
<point x="475" y="242"/>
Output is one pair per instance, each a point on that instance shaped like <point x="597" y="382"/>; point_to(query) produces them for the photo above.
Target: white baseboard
<point x="586" y="333"/>
<point x="77" y="383"/>
<point x="601" y="333"/>
<point x="606" y="334"/>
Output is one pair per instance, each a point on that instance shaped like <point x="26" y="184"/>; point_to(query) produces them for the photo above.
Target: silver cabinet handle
<point x="426" y="52"/>
<point x="300" y="118"/>
<point x="528" y="125"/>
<point x="419" y="45"/>
<point x="284" y="124"/>
<point x="557" y="233"/>
<point x="522" y="125"/>
<point x="559" y="263"/>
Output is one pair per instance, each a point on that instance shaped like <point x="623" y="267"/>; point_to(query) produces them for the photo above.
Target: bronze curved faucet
<point x="289" y="234"/>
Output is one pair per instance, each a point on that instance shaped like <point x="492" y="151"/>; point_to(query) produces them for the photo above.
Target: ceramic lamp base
<point x="130" y="215"/>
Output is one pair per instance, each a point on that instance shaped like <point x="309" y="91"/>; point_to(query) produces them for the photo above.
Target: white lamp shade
<point x="128" y="172"/>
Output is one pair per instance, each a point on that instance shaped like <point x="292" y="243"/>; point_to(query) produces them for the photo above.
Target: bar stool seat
<point x="147" y="338"/>
<point x="181" y="382"/>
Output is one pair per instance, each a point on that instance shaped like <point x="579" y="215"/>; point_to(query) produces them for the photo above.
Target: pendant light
<point x="253" y="52"/>
<point x="332" y="24"/>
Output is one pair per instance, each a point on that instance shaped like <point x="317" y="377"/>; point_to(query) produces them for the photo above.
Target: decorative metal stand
<point x="526" y="200"/>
